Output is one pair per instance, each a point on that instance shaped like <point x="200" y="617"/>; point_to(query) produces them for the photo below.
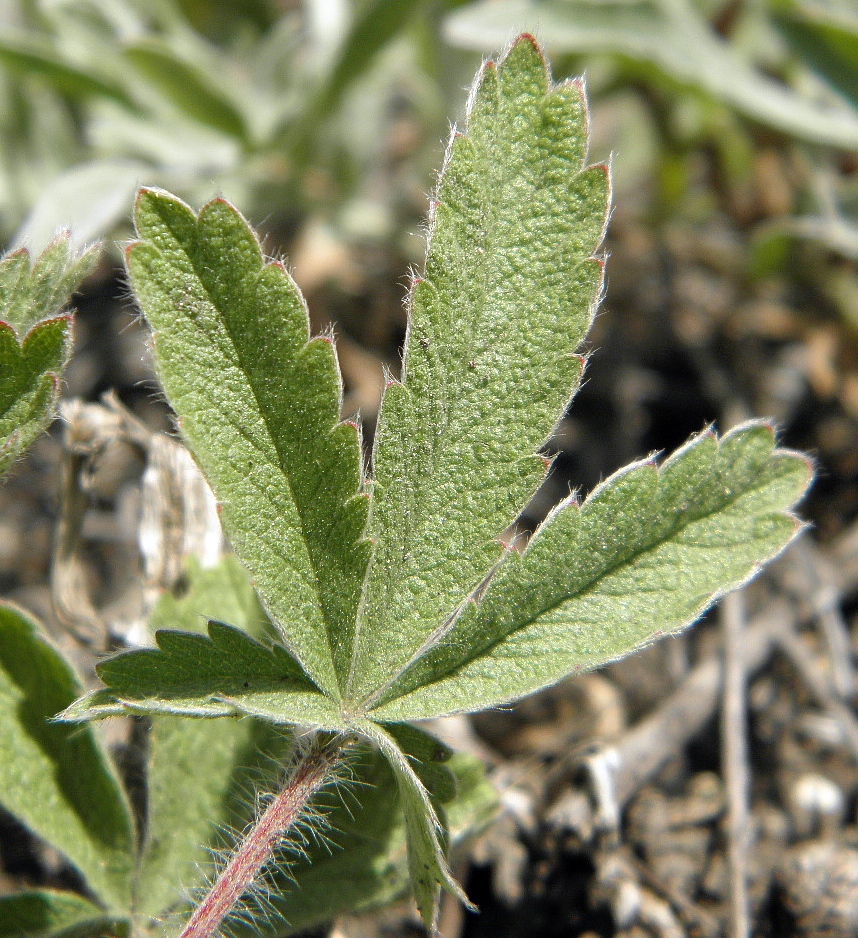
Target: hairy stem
<point x="314" y="768"/>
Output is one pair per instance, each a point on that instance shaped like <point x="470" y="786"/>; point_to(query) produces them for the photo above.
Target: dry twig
<point x="734" y="760"/>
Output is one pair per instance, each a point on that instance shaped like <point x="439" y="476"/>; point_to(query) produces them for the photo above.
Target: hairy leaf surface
<point x="196" y="675"/>
<point x="226" y="673"/>
<point x="259" y="403"/>
<point x="642" y="557"/>
<point x="31" y="293"/>
<point x="508" y="294"/>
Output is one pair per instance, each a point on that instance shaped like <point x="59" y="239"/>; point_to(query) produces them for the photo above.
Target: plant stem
<point x="310" y="773"/>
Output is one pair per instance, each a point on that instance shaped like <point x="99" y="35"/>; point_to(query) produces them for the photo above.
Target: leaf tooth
<point x="59" y="317"/>
<point x="525" y="58"/>
<point x="580" y="85"/>
<point x="482" y="102"/>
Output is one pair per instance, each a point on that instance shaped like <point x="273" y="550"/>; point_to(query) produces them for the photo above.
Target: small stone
<point x="818" y="805"/>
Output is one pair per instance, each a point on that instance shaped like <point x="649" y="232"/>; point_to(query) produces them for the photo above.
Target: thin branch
<point x="644" y="749"/>
<point x="735" y="759"/>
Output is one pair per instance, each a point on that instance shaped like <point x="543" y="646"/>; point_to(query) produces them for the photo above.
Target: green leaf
<point x="660" y="34"/>
<point x="59" y="783"/>
<point x="200" y="779"/>
<point x="189" y="87"/>
<point x="226" y="673"/>
<point x="29" y="295"/>
<point x="425" y="833"/>
<point x="644" y="556"/>
<point x="508" y="294"/>
<point x="29" y="383"/>
<point x="49" y="914"/>
<point x="428" y="757"/>
<point x="224" y="587"/>
<point x="287" y="472"/>
<point x="31" y="299"/>
<point x="445" y="618"/>
<point x="825" y="35"/>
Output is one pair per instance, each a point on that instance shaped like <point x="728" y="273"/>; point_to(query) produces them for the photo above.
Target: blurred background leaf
<point x="338" y="108"/>
<point x="824" y="34"/>
<point x="669" y="41"/>
<point x="253" y="100"/>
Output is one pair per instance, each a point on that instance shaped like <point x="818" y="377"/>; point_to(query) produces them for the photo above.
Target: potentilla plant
<point x="392" y="592"/>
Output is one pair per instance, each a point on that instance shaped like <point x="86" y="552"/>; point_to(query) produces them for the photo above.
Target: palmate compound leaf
<point x="508" y="293"/>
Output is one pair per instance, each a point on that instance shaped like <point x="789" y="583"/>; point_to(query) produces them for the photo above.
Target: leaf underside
<point x="425" y="830"/>
<point x="287" y="473"/>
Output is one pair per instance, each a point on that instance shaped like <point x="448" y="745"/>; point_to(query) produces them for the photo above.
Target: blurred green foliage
<point x="339" y="106"/>
<point x="254" y="100"/>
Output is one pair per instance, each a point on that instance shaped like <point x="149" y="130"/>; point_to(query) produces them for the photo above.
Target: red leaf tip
<point x="528" y="37"/>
